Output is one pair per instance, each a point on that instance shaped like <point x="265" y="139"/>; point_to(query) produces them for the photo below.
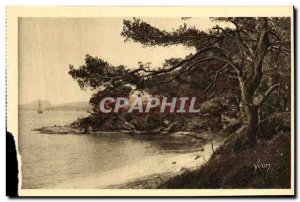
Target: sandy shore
<point x="147" y="182"/>
<point x="154" y="180"/>
<point x="147" y="173"/>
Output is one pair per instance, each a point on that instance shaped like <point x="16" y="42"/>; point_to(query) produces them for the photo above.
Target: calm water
<point x="92" y="161"/>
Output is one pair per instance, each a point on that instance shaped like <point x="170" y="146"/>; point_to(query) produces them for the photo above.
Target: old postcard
<point x="151" y="101"/>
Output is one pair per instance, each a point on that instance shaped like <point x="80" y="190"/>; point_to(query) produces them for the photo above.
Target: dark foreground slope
<point x="233" y="164"/>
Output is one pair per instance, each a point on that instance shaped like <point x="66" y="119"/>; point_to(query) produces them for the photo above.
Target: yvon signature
<point x="261" y="167"/>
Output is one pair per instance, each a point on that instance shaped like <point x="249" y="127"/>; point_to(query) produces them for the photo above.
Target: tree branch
<point x="186" y="69"/>
<point x="268" y="92"/>
<point x="240" y="43"/>
<point x="211" y="87"/>
<point x="225" y="59"/>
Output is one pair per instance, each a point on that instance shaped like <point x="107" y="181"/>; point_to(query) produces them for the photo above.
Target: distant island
<point x="48" y="106"/>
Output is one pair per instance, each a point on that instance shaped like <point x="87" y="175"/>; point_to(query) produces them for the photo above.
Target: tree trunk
<point x="251" y="112"/>
<point x="250" y="85"/>
<point x="252" y="124"/>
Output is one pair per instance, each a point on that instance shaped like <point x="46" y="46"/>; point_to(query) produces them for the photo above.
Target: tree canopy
<point x="249" y="58"/>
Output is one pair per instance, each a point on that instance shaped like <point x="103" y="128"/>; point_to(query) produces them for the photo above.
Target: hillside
<point x="233" y="165"/>
<point x="72" y="106"/>
<point x="45" y="104"/>
<point x="48" y="106"/>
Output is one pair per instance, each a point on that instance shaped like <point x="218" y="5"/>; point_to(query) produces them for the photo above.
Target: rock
<point x="174" y="126"/>
<point x="198" y="156"/>
<point x="231" y="128"/>
<point x="61" y="130"/>
<point x="184" y="170"/>
<point x="129" y="126"/>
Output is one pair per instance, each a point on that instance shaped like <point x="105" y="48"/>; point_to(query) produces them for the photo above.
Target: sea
<point x="93" y="161"/>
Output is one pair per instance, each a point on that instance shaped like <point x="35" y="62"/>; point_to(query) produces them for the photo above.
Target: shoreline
<point x="153" y="181"/>
<point x="142" y="175"/>
<point x="203" y="136"/>
<point x="146" y="182"/>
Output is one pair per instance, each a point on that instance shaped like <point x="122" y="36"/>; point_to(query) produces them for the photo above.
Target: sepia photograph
<point x="149" y="101"/>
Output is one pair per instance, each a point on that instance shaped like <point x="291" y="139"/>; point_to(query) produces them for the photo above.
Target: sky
<point x="48" y="45"/>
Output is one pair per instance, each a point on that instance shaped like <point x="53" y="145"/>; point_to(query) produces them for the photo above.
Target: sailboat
<point x="39" y="110"/>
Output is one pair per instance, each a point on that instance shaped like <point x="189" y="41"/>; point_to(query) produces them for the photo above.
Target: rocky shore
<point x="58" y="130"/>
<point x="67" y="129"/>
